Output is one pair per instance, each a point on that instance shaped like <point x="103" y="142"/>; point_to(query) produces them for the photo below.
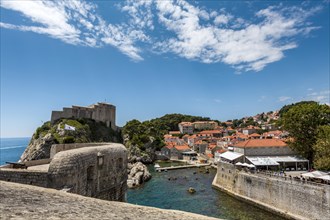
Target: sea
<point x="168" y="190"/>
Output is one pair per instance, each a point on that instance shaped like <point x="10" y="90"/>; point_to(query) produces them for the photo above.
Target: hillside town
<point x="260" y="144"/>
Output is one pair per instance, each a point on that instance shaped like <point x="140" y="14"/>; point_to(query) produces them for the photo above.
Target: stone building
<point x="102" y="112"/>
<point x="93" y="170"/>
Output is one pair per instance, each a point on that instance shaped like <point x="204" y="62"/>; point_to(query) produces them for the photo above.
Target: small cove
<point x="163" y="193"/>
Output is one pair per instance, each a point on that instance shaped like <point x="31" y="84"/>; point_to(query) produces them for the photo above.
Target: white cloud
<point x="172" y="26"/>
<point x="74" y="22"/>
<point x="321" y="96"/>
<point x="249" y="48"/>
<point x="284" y="98"/>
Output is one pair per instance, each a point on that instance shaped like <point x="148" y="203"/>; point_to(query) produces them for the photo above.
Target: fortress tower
<point x="101" y="111"/>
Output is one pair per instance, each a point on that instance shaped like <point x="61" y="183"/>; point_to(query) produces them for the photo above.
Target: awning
<point x="262" y="161"/>
<point x="315" y="174"/>
<point x="230" y="155"/>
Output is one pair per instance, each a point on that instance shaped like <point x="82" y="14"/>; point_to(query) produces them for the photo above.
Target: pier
<point x="182" y="167"/>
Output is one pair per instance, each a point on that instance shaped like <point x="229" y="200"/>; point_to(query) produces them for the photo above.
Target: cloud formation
<point x="172" y="26"/>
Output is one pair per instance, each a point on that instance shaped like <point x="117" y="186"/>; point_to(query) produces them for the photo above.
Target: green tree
<point x="322" y="148"/>
<point x="302" y="122"/>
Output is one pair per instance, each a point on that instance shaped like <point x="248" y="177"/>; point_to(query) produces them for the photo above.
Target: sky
<point x="218" y="59"/>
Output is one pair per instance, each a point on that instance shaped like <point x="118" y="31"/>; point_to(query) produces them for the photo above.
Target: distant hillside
<point x="86" y="130"/>
<point x="143" y="138"/>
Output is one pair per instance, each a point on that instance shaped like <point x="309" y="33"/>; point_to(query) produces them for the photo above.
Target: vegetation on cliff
<point x="144" y="138"/>
<point x="86" y="130"/>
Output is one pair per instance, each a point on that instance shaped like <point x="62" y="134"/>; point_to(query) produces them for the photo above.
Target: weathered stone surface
<point x="38" y="148"/>
<point x="20" y="201"/>
<point x="138" y="173"/>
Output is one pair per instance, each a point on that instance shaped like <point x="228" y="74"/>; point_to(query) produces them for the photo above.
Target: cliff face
<point x="85" y="131"/>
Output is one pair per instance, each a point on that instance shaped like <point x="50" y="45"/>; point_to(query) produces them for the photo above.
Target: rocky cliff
<point x="80" y="131"/>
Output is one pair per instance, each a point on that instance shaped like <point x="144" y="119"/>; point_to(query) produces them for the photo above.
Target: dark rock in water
<point x="194" y="172"/>
<point x="191" y="190"/>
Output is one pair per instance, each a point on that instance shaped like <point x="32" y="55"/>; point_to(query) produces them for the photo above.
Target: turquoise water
<point x="172" y="194"/>
<point x="12" y="148"/>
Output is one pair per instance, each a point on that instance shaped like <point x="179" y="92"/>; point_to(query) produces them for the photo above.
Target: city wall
<point x="35" y="178"/>
<point x="94" y="170"/>
<point x="292" y="199"/>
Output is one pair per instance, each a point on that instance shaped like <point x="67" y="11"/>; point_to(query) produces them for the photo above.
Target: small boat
<point x="191" y="190"/>
<point x="157" y="165"/>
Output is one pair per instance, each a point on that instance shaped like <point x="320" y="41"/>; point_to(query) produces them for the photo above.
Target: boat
<point x="156" y="165"/>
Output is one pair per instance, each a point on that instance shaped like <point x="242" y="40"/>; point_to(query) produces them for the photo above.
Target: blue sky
<point x="220" y="59"/>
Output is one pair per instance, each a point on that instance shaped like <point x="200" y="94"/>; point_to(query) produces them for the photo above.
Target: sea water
<point x="168" y="190"/>
<point x="11" y="149"/>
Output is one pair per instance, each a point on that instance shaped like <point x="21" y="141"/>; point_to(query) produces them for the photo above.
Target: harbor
<point x="169" y="190"/>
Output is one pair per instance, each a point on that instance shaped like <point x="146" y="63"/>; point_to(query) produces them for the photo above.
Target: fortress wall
<point x="295" y="199"/>
<point x="63" y="147"/>
<point x="99" y="171"/>
<point x="24" y="176"/>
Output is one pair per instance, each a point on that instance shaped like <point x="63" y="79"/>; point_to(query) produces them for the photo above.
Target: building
<point x="249" y="130"/>
<point x="186" y="128"/>
<point x="270" y="154"/>
<point x="263" y="147"/>
<point x="101" y="112"/>
<point x="210" y="133"/>
<point x="205" y="125"/>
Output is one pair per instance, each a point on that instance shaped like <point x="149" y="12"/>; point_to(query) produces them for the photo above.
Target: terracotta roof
<point x="221" y="151"/>
<point x="182" y="147"/>
<point x="210" y="132"/>
<point x="261" y="143"/>
<point x="209" y="155"/>
<point x="174" y="132"/>
<point x="255" y="135"/>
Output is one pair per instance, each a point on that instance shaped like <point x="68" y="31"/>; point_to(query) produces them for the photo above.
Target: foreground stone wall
<point x="99" y="171"/>
<point x="94" y="170"/>
<point x="294" y="199"/>
<point x="24" y="176"/>
<point x="20" y="201"/>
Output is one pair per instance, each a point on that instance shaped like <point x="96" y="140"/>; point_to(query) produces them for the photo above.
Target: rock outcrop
<point x="85" y="131"/>
<point x="138" y="173"/>
<point x="38" y="148"/>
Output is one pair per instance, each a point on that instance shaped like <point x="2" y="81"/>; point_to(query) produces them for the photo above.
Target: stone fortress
<point x="96" y="170"/>
<point x="101" y="111"/>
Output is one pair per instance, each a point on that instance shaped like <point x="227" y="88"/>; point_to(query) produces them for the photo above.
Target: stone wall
<point x="96" y="170"/>
<point x="264" y="151"/>
<point x="289" y="198"/>
<point x="99" y="171"/>
<point x="24" y="176"/>
<point x="63" y="147"/>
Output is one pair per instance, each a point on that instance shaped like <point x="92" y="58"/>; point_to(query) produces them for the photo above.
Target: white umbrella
<point x="238" y="164"/>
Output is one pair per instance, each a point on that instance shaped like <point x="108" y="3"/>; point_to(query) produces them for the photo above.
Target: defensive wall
<point x="102" y="112"/>
<point x="94" y="170"/>
<point x="289" y="198"/>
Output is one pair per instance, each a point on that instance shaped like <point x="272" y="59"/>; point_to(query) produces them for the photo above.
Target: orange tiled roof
<point x="209" y="155"/>
<point x="210" y="132"/>
<point x="261" y="143"/>
<point x="182" y="147"/>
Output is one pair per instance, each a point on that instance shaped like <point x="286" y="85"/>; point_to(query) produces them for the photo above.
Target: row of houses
<point x="267" y="150"/>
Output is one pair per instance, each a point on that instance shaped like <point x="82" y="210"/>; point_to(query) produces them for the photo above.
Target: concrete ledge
<point x="19" y="201"/>
<point x="261" y="205"/>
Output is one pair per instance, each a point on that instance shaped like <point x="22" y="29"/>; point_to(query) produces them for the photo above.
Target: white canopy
<point x="315" y="174"/>
<point x="238" y="164"/>
<point x="230" y="155"/>
<point x="262" y="161"/>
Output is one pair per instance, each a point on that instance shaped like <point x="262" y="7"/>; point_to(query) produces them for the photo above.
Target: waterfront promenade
<point x="182" y="167"/>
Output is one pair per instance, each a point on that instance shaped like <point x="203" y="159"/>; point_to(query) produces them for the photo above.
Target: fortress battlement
<point x="102" y="112"/>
